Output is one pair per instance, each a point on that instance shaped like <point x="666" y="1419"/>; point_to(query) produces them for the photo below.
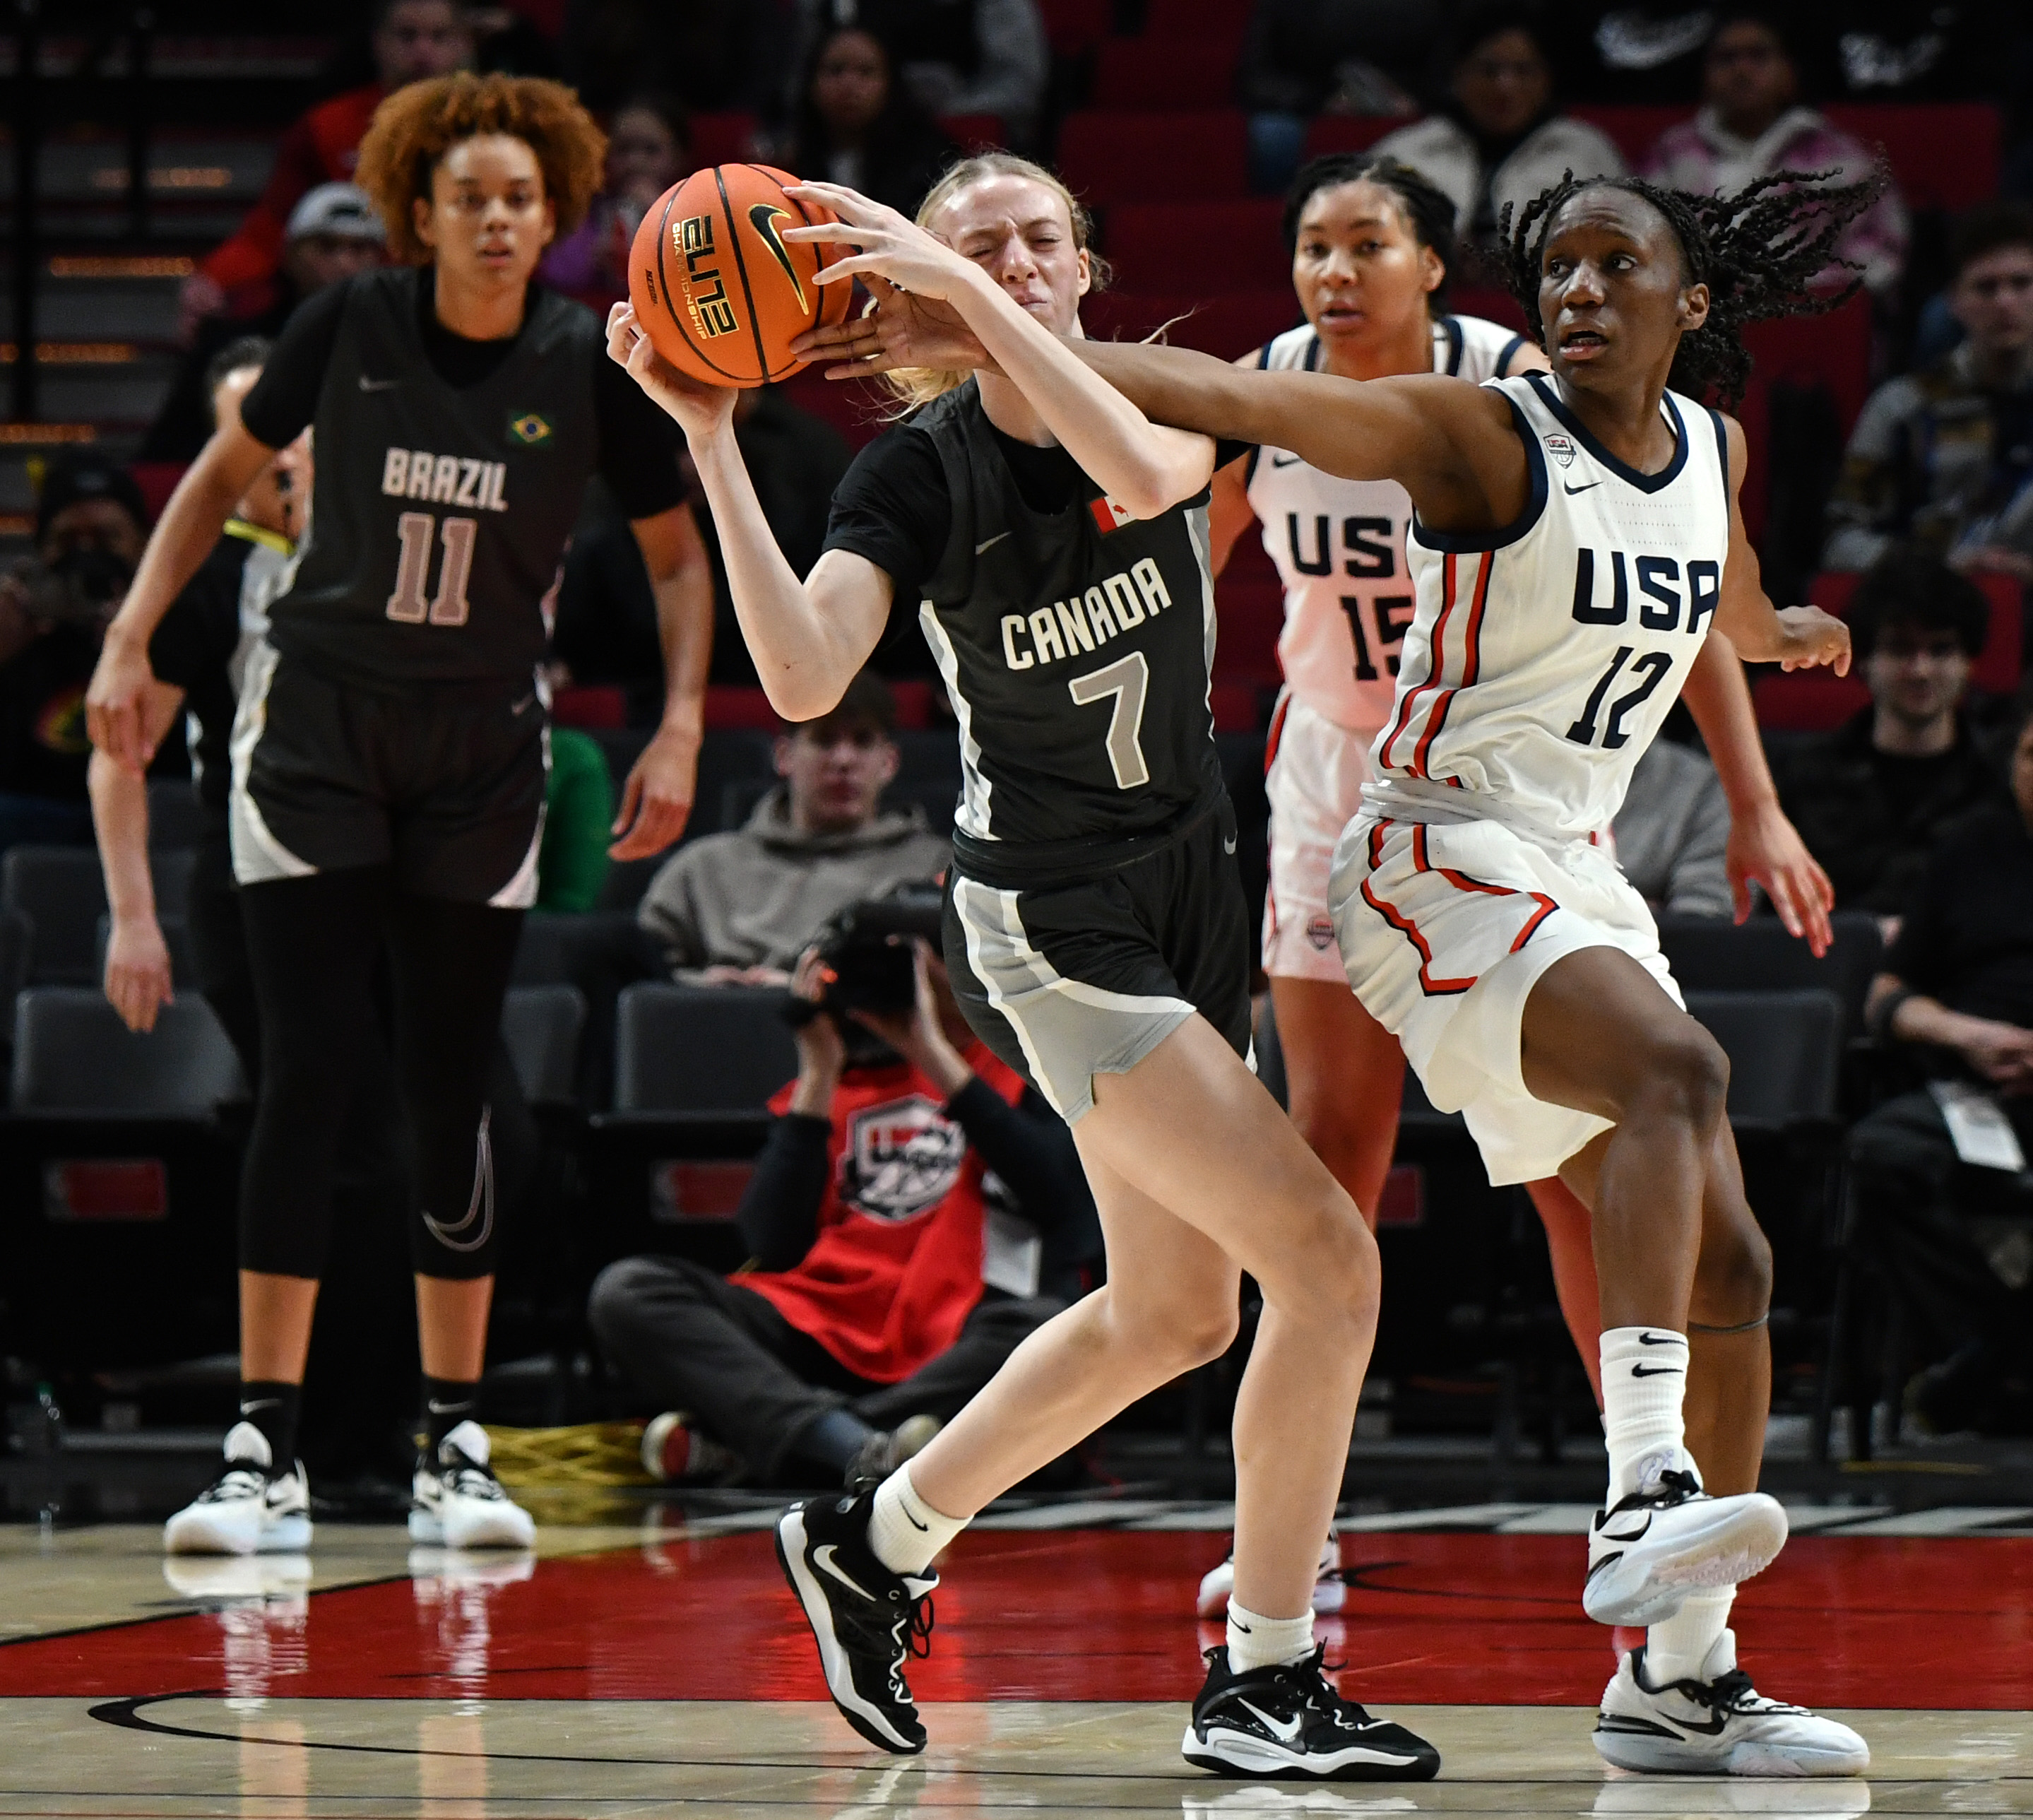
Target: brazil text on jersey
<point x="445" y="480"/>
<point x="1066" y="628"/>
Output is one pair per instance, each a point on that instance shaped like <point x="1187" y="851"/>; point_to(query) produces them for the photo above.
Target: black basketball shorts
<point x="444" y="782"/>
<point x="1088" y="975"/>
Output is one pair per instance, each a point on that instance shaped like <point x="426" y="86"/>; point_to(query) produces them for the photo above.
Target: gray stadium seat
<point x="693" y="1051"/>
<point x="1712" y="955"/>
<point x="176" y="817"/>
<point x="542" y="1026"/>
<point x="63" y="892"/>
<point x="176" y="938"/>
<point x="1784" y="1050"/>
<point x="73" y="1055"/>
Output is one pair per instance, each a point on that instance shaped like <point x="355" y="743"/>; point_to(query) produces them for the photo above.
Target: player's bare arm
<point x="656" y="799"/>
<point x="1793" y="637"/>
<point x="182" y="538"/>
<point x="137" y="983"/>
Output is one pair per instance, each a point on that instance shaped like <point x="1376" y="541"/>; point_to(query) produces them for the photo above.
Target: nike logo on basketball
<point x="1285" y="1731"/>
<point x="367" y="384"/>
<point x="1581" y="489"/>
<point x="822" y="1559"/>
<point x="762" y="217"/>
<point x="989" y="543"/>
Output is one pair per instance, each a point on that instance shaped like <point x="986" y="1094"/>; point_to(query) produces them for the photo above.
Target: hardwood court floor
<point x="661" y="1670"/>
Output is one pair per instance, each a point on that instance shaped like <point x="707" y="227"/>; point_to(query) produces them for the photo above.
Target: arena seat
<point x="542" y="1026"/>
<point x="974" y="132"/>
<point x="1635" y="130"/>
<point x="858" y="409"/>
<point x="687" y="1052"/>
<point x="1156" y="72"/>
<point x="63" y="892"/>
<point x="1073" y="27"/>
<point x="1711" y="954"/>
<point x="1169" y="246"/>
<point x="1169" y="157"/>
<point x="1834" y="349"/>
<point x="1943" y="155"/>
<point x="176" y="818"/>
<point x="73" y="1055"/>
<point x="1224" y="21"/>
<point x="1350" y="132"/>
<point x="1785" y="1050"/>
<point x="1491" y="305"/>
<point x="176" y="938"/>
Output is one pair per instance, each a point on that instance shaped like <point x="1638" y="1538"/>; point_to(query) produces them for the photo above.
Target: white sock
<point x="1677" y="1648"/>
<point x="1257" y="1642"/>
<point x="903" y="1531"/>
<point x="1644" y="1379"/>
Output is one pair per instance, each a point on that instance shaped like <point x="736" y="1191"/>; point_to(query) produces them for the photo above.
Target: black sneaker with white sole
<point x="868" y="1621"/>
<point x="1287" y="1721"/>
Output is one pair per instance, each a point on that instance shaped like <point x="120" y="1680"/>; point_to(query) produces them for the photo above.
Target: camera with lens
<point x="870" y="962"/>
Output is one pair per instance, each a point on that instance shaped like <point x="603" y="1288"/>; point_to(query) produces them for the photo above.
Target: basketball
<point x="719" y="291"/>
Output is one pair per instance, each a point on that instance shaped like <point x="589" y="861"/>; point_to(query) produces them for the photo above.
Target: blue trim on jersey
<point x="1456" y="341"/>
<point x="1503" y="359"/>
<point x="1722" y="451"/>
<point x="1464" y="543"/>
<point x="1257" y="449"/>
<point x="1550" y="398"/>
<point x="1313" y="353"/>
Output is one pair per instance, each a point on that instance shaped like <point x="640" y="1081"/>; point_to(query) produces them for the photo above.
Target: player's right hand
<point x="700" y="410"/>
<point x="898" y="329"/>
<point x="112" y="720"/>
<point x="137" y="972"/>
<point x="1809" y="639"/>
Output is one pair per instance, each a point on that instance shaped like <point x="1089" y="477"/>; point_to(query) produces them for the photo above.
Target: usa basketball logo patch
<point x="1560" y="449"/>
<point x="1320" y="931"/>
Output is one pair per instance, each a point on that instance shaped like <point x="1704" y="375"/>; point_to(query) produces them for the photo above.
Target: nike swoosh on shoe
<point x="823" y="1559"/>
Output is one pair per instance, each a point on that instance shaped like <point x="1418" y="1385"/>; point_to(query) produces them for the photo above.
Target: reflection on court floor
<point x="664" y="1673"/>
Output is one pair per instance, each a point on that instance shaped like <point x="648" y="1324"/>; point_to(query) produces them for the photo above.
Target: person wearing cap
<point x="737" y="909"/>
<point x="90" y="527"/>
<point x="333" y="234"/>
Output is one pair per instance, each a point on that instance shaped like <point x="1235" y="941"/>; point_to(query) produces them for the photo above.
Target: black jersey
<point x="441" y="513"/>
<point x="1076" y="646"/>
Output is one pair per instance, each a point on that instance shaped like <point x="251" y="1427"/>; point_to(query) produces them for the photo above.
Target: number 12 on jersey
<point x="412" y="567"/>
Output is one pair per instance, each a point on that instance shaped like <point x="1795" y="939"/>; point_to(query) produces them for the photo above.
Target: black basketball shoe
<point x="868" y="1622"/>
<point x="1287" y="1721"/>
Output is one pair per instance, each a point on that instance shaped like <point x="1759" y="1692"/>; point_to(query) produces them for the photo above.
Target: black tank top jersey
<point x="440" y="514"/>
<point x="1077" y="646"/>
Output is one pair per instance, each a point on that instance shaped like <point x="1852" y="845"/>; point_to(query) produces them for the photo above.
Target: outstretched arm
<point x="1793" y="637"/>
<point x="1764" y="845"/>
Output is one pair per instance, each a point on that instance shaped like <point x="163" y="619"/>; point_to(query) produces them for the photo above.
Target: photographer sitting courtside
<point x="916" y="1211"/>
<point x="737" y="909"/>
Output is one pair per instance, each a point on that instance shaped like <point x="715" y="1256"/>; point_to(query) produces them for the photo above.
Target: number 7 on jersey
<point x="1129" y="680"/>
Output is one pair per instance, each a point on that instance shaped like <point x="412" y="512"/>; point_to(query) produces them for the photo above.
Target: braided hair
<point x="1758" y="252"/>
<point x="1428" y="211"/>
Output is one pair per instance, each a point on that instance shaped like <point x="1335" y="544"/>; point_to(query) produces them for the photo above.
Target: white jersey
<point x="1543" y="657"/>
<point x="1339" y="545"/>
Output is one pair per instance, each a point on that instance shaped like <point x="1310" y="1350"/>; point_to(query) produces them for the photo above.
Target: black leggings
<point x="313" y="944"/>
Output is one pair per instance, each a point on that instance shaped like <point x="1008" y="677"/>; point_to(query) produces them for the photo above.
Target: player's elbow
<point x="1154" y="485"/>
<point x="799" y="692"/>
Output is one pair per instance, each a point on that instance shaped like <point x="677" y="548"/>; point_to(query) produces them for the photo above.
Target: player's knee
<point x="1334" y="1277"/>
<point x="1683" y="1074"/>
<point x="1177" y="1337"/>
<point x="614" y="1305"/>
<point x="1733" y="1280"/>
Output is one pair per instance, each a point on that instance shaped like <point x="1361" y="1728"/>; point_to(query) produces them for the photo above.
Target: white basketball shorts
<point x="1314" y="771"/>
<point x="1445" y="928"/>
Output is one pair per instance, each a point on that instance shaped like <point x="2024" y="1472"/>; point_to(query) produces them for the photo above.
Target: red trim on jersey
<point x="1277" y="733"/>
<point x="1436" y="658"/>
<point x="1462" y="882"/>
<point x="1471" y="661"/>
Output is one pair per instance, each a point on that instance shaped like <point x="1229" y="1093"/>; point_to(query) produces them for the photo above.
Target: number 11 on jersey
<point x="413" y="567"/>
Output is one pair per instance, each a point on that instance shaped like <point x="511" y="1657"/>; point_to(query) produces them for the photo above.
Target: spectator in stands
<point x="952" y="56"/>
<point x="1672" y="832"/>
<point x="649" y="148"/>
<point x="1499" y="138"/>
<point x="1928" y="1166"/>
<point x="333" y="234"/>
<point x="1306" y="57"/>
<point x="1751" y="124"/>
<point x="915" y="1217"/>
<point x="90" y="527"/>
<point x="1943" y="457"/>
<point x="412" y="40"/>
<point x="855" y="125"/>
<point x="738" y="908"/>
<point x="579" y="818"/>
<point x="1871" y="797"/>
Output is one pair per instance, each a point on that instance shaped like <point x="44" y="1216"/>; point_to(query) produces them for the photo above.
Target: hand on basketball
<point x="1809" y="639"/>
<point x="114" y="721"/>
<point x="657" y="800"/>
<point x="896" y="330"/>
<point x="701" y="410"/>
<point x="137" y="972"/>
<point x="1765" y="847"/>
<point x="884" y="245"/>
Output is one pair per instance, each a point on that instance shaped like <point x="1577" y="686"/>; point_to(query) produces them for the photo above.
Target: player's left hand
<point x="896" y="330"/>
<point x="883" y="243"/>
<point x="1809" y="637"/>
<point x="1765" y="847"/>
<point x="657" y="800"/>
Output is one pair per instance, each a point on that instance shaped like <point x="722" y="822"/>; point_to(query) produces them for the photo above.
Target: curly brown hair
<point x="416" y="126"/>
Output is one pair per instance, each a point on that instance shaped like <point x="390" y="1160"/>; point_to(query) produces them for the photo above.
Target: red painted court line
<point x="1086" y="1615"/>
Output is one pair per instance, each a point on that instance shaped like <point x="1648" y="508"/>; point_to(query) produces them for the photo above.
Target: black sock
<point x="271" y="1407"/>
<point x="447" y="1402"/>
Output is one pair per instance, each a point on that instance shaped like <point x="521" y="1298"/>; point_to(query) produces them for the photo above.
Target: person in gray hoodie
<point x="737" y="909"/>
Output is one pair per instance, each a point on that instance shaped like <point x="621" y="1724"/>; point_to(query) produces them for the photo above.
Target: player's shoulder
<point x="1472" y="347"/>
<point x="1296" y="349"/>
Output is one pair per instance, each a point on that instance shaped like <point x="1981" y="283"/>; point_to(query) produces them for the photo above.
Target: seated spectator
<point x="333" y="234"/>
<point x="915" y="1218"/>
<point x="412" y="40"/>
<point x="90" y="527"/>
<point x="855" y="125"/>
<point x="1943" y="458"/>
<point x="738" y="908"/>
<point x="1306" y="57"/>
<point x="1672" y="832"/>
<point x="649" y="148"/>
<point x="1498" y="137"/>
<point x="1871" y="797"/>
<point x="1932" y="1171"/>
<point x="578" y="823"/>
<point x="952" y="56"/>
<point x="1751" y="124"/>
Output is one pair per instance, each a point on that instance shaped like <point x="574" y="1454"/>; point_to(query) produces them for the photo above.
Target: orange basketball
<point x="717" y="289"/>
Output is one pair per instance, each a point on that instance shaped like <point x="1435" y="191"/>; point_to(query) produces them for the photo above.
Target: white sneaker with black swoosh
<point x="1717" y="1725"/>
<point x="251" y="1508"/>
<point x="1670" y="1538"/>
<point x="1330" y="1589"/>
<point x="456" y="1502"/>
<point x="1287" y="1721"/>
<point x="868" y="1621"/>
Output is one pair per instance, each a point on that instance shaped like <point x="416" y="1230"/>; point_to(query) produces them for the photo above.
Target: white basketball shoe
<point x="457" y="1501"/>
<point x="1669" y="1538"/>
<point x="251" y="1508"/>
<point x="1330" y="1590"/>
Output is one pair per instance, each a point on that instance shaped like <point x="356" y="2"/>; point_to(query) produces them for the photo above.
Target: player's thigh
<point x="1169" y="1285"/>
<point x="1600" y="1033"/>
<point x="470" y="822"/>
<point x="1342" y="1069"/>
